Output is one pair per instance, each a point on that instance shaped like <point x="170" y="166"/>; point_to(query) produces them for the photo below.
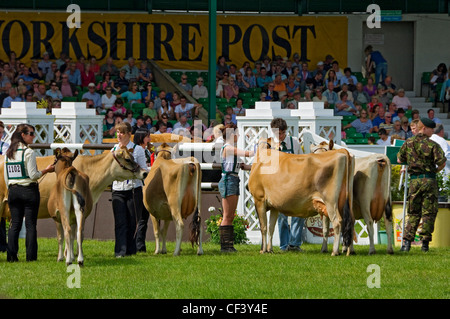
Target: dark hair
<point x="140" y="135"/>
<point x="279" y="123"/>
<point x="17" y="138"/>
<point x="382" y="131"/>
<point x="227" y="128"/>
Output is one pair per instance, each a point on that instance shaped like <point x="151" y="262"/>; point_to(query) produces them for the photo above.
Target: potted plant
<point x="240" y="225"/>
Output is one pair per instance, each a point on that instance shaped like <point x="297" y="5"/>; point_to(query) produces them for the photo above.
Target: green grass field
<point x="243" y="275"/>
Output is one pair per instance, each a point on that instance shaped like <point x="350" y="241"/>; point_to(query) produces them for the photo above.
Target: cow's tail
<point x="348" y="225"/>
<point x="388" y="209"/>
<point x="69" y="184"/>
<point x="195" y="228"/>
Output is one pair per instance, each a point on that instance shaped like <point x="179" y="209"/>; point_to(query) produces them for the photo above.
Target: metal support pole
<point x="212" y="59"/>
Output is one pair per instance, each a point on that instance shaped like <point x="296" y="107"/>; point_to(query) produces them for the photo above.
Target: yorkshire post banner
<point x="174" y="41"/>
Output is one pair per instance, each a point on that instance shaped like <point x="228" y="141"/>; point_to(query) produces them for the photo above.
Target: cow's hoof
<point x="68" y="263"/>
<point x="390" y="252"/>
<point x="372" y="252"/>
<point x="335" y="253"/>
<point x="81" y="263"/>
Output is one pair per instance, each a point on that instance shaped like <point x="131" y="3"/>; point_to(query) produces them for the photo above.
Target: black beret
<point x="427" y="122"/>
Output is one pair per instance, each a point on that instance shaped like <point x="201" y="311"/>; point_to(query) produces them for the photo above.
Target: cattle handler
<point x="424" y="158"/>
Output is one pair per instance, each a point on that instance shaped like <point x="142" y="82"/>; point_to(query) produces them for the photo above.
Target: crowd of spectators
<point x="111" y="89"/>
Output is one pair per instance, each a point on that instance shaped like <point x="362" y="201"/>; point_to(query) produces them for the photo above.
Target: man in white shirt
<point x="438" y="137"/>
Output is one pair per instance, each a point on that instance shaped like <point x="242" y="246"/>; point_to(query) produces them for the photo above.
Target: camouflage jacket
<point x="421" y="154"/>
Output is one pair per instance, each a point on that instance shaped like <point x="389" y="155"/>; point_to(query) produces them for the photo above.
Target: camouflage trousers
<point x="422" y="204"/>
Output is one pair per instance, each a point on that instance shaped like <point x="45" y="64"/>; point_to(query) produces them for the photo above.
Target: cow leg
<point x="163" y="235"/>
<point x="60" y="238"/>
<point x="262" y="216"/>
<point x="389" y="231"/>
<point x="155" y="224"/>
<point x="325" y="233"/>
<point x="337" y="236"/>
<point x="370" y="231"/>
<point x="179" y="226"/>
<point x="80" y="228"/>
<point x="272" y="222"/>
<point x="200" y="248"/>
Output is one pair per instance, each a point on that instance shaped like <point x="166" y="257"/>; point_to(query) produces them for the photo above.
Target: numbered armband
<point x="16" y="170"/>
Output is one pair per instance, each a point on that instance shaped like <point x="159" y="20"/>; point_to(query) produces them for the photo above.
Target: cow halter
<point x="134" y="170"/>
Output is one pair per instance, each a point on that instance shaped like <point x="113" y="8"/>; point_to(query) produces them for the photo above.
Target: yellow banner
<point x="174" y="41"/>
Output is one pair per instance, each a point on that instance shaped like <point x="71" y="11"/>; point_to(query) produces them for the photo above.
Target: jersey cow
<point x="371" y="192"/>
<point x="70" y="201"/>
<point x="302" y="186"/>
<point x="102" y="170"/>
<point x="172" y="191"/>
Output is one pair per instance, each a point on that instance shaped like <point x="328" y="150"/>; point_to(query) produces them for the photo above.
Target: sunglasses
<point x="30" y="133"/>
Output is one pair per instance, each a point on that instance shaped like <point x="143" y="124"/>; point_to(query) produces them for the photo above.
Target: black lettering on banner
<point x="226" y="43"/>
<point x="97" y="39"/>
<point x="281" y="42"/>
<point x="143" y="40"/>
<point x="68" y="40"/>
<point x="304" y="39"/>
<point x="113" y="39"/>
<point x="26" y="38"/>
<point x="185" y="42"/>
<point x="158" y="42"/>
<point x="37" y="41"/>
<point x="246" y="45"/>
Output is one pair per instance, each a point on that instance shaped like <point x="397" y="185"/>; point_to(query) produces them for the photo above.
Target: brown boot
<point x="227" y="239"/>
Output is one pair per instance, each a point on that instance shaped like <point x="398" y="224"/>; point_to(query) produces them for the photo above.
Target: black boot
<point x="406" y="245"/>
<point x="227" y="239"/>
<point x="425" y="246"/>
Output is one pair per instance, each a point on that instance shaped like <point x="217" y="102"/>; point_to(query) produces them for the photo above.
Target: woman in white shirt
<point x="21" y="176"/>
<point x="127" y="198"/>
<point x="108" y="99"/>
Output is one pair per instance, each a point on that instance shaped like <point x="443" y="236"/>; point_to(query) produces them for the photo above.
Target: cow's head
<point x="125" y="160"/>
<point x="64" y="159"/>
<point x="164" y="151"/>
<point x="322" y="147"/>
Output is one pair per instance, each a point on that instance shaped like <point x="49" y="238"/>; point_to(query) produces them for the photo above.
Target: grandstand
<point x="173" y="38"/>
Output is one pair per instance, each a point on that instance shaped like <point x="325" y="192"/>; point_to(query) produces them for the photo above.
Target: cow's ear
<point x="57" y="152"/>
<point x="330" y="145"/>
<point x="75" y="155"/>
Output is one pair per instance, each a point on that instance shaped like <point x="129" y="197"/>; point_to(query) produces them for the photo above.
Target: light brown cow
<point x="70" y="201"/>
<point x="172" y="191"/>
<point x="371" y="192"/>
<point x="302" y="186"/>
<point x="102" y="170"/>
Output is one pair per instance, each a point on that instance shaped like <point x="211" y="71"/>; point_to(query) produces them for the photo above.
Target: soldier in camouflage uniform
<point x="424" y="158"/>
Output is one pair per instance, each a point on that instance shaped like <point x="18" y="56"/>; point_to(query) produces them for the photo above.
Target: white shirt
<point x="108" y="102"/>
<point x="297" y="148"/>
<point x="139" y="157"/>
<point x="387" y="142"/>
<point x="445" y="147"/>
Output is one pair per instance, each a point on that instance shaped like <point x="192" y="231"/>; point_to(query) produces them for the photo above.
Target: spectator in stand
<point x="80" y="63"/>
<point x="94" y="96"/>
<point x="162" y="128"/>
<point x="64" y="67"/>
<point x="129" y="117"/>
<point x="280" y="85"/>
<point x="21" y="88"/>
<point x="165" y="119"/>
<point x="380" y="118"/>
<point x="397" y="131"/>
<point x="182" y="123"/>
<point x="370" y="88"/>
<point x="374" y="102"/>
<point x="327" y="64"/>
<point x="26" y="77"/>
<point x="401" y="100"/>
<point x="67" y="88"/>
<point x="392" y="108"/>
<point x="176" y="100"/>
<point x="45" y="64"/>
<point x="360" y="97"/>
<point x="121" y="84"/>
<point x="388" y="125"/>
<point x="431" y="116"/>
<point x="108" y="99"/>
<point x="158" y="99"/>
<point x="199" y="90"/>
<point x="330" y="94"/>
<point x="231" y="90"/>
<point x="345" y="89"/>
<point x="61" y="60"/>
<point x="41" y="92"/>
<point x="138" y="124"/>
<point x="94" y="66"/>
<point x="109" y="123"/>
<point x="332" y="78"/>
<point x="249" y="77"/>
<point x="51" y="72"/>
<point x="229" y="113"/>
<point x="439" y="75"/>
<point x="385" y="139"/>
<point x="344" y="107"/>
<point x="109" y="67"/>
<point x="74" y="74"/>
<point x="337" y="70"/>
<point x="185" y="84"/>
<point x="233" y="72"/>
<point x="271" y="94"/>
<point x="239" y="110"/>
<point x="263" y="79"/>
<point x="149" y="94"/>
<point x="380" y="63"/>
<point x="219" y="89"/>
<point x="347" y="76"/>
<point x="320" y="69"/>
<point x="291" y="87"/>
<point x="132" y="95"/>
<point x="166" y="109"/>
<point x="131" y="70"/>
<point x="150" y="111"/>
<point x="242" y="85"/>
<point x="388" y="88"/>
<point x="54" y="91"/>
<point x="87" y="76"/>
<point x="399" y="116"/>
<point x="221" y="67"/>
<point x="319" y="97"/>
<point x="362" y="124"/>
<point x="145" y="74"/>
<point x="317" y="80"/>
<point x="308" y="98"/>
<point x="118" y="108"/>
<point x="188" y="109"/>
<point x="35" y="71"/>
<point x="405" y="127"/>
<point x="415" y="115"/>
<point x="107" y="81"/>
<point x="13" y="97"/>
